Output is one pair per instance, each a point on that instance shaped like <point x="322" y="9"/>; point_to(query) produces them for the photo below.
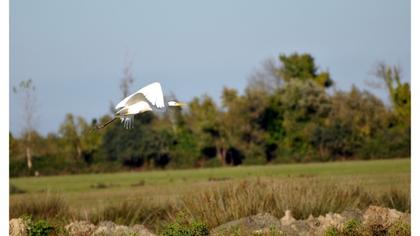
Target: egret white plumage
<point x="148" y="98"/>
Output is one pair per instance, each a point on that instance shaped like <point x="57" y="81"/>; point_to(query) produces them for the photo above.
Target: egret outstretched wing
<point x="123" y="103"/>
<point x="153" y="93"/>
<point x="132" y="99"/>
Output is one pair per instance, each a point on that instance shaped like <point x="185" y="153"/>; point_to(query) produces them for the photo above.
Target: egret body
<point x="146" y="99"/>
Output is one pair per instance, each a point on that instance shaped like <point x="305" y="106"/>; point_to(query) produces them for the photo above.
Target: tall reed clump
<point x="396" y="199"/>
<point x="303" y="197"/>
<point x="144" y="211"/>
<point x="43" y="206"/>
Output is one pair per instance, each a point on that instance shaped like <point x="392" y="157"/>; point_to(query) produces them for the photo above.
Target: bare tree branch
<point x="27" y="90"/>
<point x="128" y="78"/>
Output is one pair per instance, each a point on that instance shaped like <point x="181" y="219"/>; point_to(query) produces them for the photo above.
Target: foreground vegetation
<point x="214" y="196"/>
<point x="288" y="113"/>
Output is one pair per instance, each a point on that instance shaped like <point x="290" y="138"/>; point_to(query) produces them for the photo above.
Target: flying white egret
<point x="147" y="98"/>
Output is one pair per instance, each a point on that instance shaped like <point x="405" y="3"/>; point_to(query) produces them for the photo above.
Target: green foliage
<point x="354" y="123"/>
<point x="13" y="146"/>
<point x="241" y="126"/>
<point x="356" y="228"/>
<point x="399" y="228"/>
<point x="185" y="151"/>
<point x="302" y="67"/>
<point x="142" y="146"/>
<point x="331" y="231"/>
<point x="303" y="107"/>
<point x="182" y="228"/>
<point x="76" y="140"/>
<point x="352" y="228"/>
<point x="18" y="168"/>
<point x="205" y="122"/>
<point x="399" y="92"/>
<point x="40" y="228"/>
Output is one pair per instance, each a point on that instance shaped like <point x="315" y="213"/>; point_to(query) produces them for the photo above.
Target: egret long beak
<point x="180" y="104"/>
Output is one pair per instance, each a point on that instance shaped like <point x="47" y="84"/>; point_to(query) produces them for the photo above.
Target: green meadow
<point x="95" y="190"/>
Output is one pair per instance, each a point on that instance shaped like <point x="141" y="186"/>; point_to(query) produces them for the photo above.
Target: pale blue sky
<point x="74" y="50"/>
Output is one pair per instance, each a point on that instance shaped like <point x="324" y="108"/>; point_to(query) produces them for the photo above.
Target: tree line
<point x="288" y="112"/>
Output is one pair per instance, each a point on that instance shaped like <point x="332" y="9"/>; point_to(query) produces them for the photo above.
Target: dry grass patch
<point x="303" y="197"/>
<point x="217" y="204"/>
<point x="143" y="211"/>
<point x="42" y="206"/>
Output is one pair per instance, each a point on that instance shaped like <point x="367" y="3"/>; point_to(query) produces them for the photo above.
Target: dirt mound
<point x="80" y="228"/>
<point x="18" y="227"/>
<point x="374" y="221"/>
<point x="110" y="228"/>
<point x="250" y="224"/>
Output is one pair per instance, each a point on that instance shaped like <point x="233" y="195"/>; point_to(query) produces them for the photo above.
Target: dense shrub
<point x="179" y="229"/>
<point x="40" y="228"/>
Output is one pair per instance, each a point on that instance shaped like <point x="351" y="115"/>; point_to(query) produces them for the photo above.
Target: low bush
<point x="400" y="228"/>
<point x="101" y="185"/>
<point x="181" y="227"/>
<point x="332" y="231"/>
<point x="40" y="228"/>
<point x="352" y="228"/>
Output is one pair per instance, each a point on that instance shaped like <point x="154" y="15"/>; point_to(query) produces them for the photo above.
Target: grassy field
<point x="96" y="190"/>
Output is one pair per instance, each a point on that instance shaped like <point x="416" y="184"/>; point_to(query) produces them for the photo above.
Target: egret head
<point x="176" y="104"/>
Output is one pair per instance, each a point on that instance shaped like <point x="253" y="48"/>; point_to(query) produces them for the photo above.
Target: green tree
<point x="142" y="146"/>
<point x="185" y="151"/>
<point x="398" y="91"/>
<point x="13" y="146"/>
<point x="51" y="145"/>
<point x="71" y="131"/>
<point x="355" y="119"/>
<point x="204" y="119"/>
<point x="302" y="67"/>
<point x="242" y="124"/>
<point x="303" y="106"/>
